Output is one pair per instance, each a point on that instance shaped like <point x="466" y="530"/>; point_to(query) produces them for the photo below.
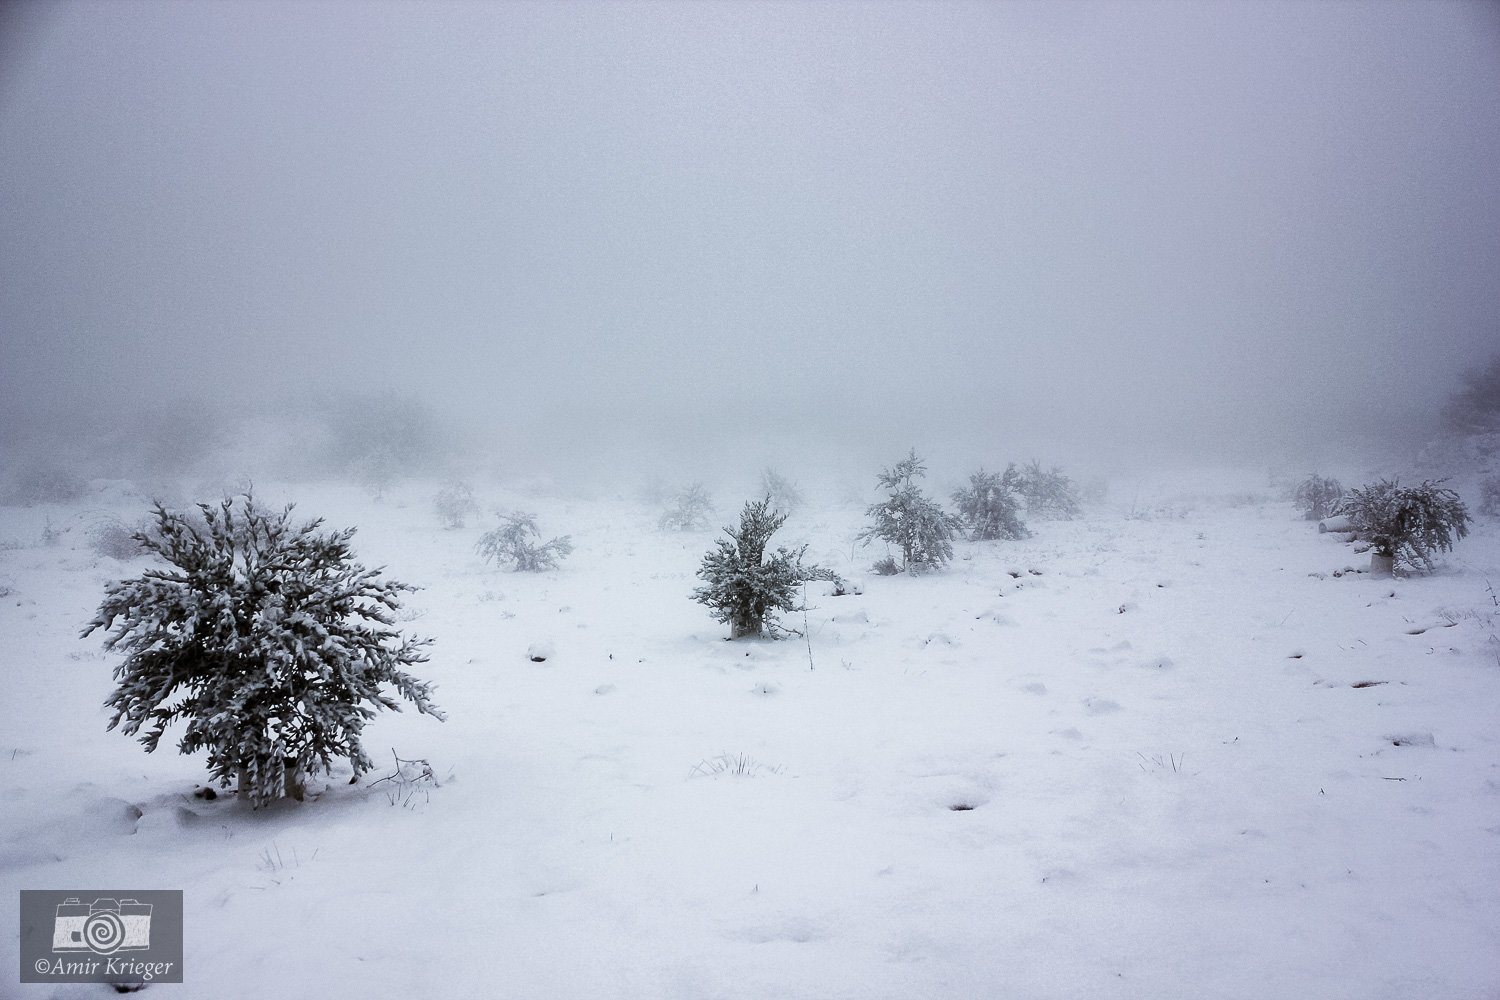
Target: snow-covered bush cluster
<point x="1407" y="524"/>
<point x="989" y="507"/>
<point x="265" y="636"/>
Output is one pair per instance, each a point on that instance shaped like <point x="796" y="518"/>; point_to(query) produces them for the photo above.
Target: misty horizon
<point x="1075" y="232"/>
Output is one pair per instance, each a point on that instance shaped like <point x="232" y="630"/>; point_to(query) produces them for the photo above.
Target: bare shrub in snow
<point x="988" y="506"/>
<point x="743" y="585"/>
<point x="514" y="543"/>
<point x="1316" y="496"/>
<point x="908" y="519"/>
<point x="1409" y="524"/>
<point x="1048" y="493"/>
<point x="454" y="502"/>
<point x="691" y="510"/>
<point x="266" y="637"/>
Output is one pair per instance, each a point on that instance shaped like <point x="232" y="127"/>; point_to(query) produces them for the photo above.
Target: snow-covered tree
<point x="908" y="519"/>
<point x="1316" y="495"/>
<point x="1048" y="493"/>
<point x="454" y="502"/>
<point x="513" y="543"/>
<point x="988" y="506"/>
<point x="783" y="493"/>
<point x="1489" y="496"/>
<point x="1407" y="524"/>
<point x="691" y="511"/>
<point x="744" y="586"/>
<point x="266" y="637"/>
<point x="1475" y="408"/>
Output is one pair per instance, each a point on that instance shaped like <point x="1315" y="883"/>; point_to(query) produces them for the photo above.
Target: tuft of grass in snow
<point x="737" y="765"/>
<point x="1161" y="762"/>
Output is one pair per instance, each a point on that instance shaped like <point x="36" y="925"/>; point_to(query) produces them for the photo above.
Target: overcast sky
<point x="1214" y="225"/>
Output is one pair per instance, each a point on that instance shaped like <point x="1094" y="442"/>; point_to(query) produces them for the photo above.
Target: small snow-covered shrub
<point x="454" y="502"/>
<point x="743" y="585"/>
<point x="908" y="519"/>
<point x="784" y="494"/>
<point x="988" y="506"/>
<point x="266" y="637"/>
<point x="1049" y="494"/>
<point x="114" y="538"/>
<point x="1408" y="524"/>
<point x="513" y="543"/>
<point x="691" y="511"/>
<point x="1316" y="496"/>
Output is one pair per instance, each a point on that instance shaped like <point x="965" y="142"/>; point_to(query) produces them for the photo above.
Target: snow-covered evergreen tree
<point x="1048" y="493"/>
<point x="691" y="512"/>
<point x="1407" y="524"/>
<point x="742" y="585"/>
<point x="910" y="520"/>
<point x="513" y="543"/>
<point x="266" y="637"/>
<point x="988" y="506"/>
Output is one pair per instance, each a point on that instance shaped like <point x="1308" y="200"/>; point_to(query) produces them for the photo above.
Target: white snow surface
<point x="1154" y="753"/>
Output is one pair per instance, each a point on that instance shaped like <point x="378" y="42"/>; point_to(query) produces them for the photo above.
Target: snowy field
<point x="1172" y="749"/>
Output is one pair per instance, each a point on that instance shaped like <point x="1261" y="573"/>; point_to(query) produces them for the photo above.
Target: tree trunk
<point x="293" y="778"/>
<point x="745" y="627"/>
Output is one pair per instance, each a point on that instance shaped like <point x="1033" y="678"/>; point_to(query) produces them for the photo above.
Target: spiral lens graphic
<point x="104" y="932"/>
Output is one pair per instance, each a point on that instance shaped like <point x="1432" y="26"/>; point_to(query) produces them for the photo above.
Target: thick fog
<point x="998" y="230"/>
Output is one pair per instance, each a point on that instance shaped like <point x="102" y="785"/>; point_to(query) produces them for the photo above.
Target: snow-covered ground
<point x="1169" y="750"/>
